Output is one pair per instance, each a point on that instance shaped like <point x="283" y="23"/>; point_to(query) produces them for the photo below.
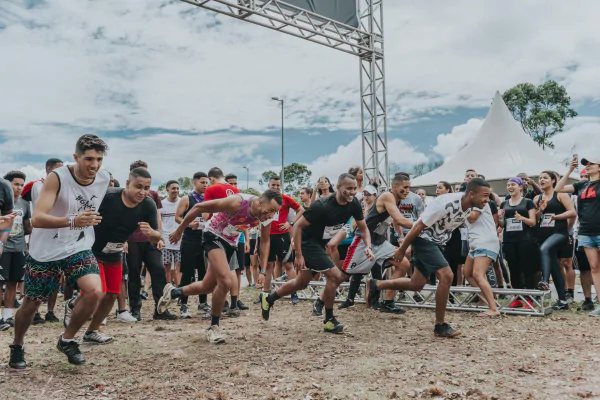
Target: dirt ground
<point x="289" y="357"/>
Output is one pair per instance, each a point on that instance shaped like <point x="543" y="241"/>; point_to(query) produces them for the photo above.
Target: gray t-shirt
<point x="6" y="196"/>
<point x="16" y="239"/>
<point x="411" y="208"/>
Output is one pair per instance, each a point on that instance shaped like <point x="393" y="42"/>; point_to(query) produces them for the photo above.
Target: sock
<point x="8" y="313"/>
<point x="203" y="298"/>
<point x="214" y="320"/>
<point x="233" y="301"/>
<point x="176" y="293"/>
<point x="272" y="298"/>
<point x="62" y="339"/>
<point x="328" y="314"/>
<point x="121" y="311"/>
<point x="588" y="300"/>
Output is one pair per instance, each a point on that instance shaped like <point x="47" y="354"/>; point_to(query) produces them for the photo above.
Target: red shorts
<point x="111" y="273"/>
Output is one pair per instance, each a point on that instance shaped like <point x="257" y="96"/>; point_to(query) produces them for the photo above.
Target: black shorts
<point x="316" y="258"/>
<point x="240" y="257"/>
<point x="428" y="257"/>
<point x="343" y="250"/>
<point x="211" y="242"/>
<point x="582" y="261"/>
<point x="281" y="248"/>
<point x="567" y="250"/>
<point x="13" y="266"/>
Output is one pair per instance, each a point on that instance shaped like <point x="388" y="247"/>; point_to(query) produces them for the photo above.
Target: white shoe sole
<point x="165" y="300"/>
<point x="92" y="343"/>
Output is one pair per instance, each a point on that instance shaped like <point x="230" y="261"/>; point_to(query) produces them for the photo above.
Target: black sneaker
<point x="37" y="319"/>
<point x="543" y="286"/>
<point x="587" y="306"/>
<point x="560" y="306"/>
<point x="445" y="330"/>
<point x="136" y="314"/>
<point x="318" y="306"/>
<point x="418" y="298"/>
<point x="50" y="317"/>
<point x="225" y="308"/>
<point x="390" y="308"/>
<point x="242" y="306"/>
<point x="166" y="316"/>
<point x="346" y="304"/>
<point x="5" y="325"/>
<point x="374" y="293"/>
<point x="17" y="357"/>
<point x="295" y="299"/>
<point x="71" y="350"/>
<point x="333" y="326"/>
<point x="144" y="295"/>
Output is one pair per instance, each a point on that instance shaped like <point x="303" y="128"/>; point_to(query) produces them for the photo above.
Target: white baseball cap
<point x="370" y="189"/>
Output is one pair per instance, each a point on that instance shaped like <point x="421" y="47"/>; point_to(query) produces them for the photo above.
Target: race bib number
<point x="232" y="230"/>
<point x="331" y="231"/>
<point x="17" y="227"/>
<point x="408" y="216"/>
<point x="201" y="223"/>
<point x="546" y="222"/>
<point x="514" y="225"/>
<point x="113" y="248"/>
<point x="383" y="226"/>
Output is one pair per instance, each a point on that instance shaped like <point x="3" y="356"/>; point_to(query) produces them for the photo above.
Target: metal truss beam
<point x="538" y="303"/>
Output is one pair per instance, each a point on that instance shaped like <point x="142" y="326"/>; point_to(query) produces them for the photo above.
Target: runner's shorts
<point x="316" y="258"/>
<point x="238" y="261"/>
<point x="582" y="261"/>
<point x="211" y="242"/>
<point x="43" y="278"/>
<point x="357" y="262"/>
<point x="170" y="256"/>
<point x="428" y="257"/>
<point x="111" y="273"/>
<point x="281" y="248"/>
<point x="13" y="266"/>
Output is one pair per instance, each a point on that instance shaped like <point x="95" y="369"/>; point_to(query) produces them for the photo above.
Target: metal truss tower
<point x="365" y="42"/>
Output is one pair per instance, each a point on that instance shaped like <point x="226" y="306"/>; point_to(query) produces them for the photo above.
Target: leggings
<point x="144" y="252"/>
<point x="192" y="258"/>
<point x="355" y="281"/>
<point x="549" y="261"/>
<point x="523" y="261"/>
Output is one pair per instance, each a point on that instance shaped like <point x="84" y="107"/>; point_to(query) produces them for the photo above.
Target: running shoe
<point x="282" y="278"/>
<point x="595" y="313"/>
<point x="68" y="311"/>
<point x="51" y="317"/>
<point x="17" y="357"/>
<point x="71" y="350"/>
<point x="418" y="298"/>
<point x="165" y="300"/>
<point x="204" y="308"/>
<point x="144" y="294"/>
<point x="214" y="335"/>
<point x="390" y="308"/>
<point x="569" y="298"/>
<point x="445" y="330"/>
<point x="560" y="306"/>
<point x="233" y="312"/>
<point x="136" y="314"/>
<point x="225" y="308"/>
<point x="126" y="317"/>
<point x="166" y="316"/>
<point x="295" y="299"/>
<point x="587" y="306"/>
<point x="264" y="306"/>
<point x="184" y="313"/>
<point x="346" y="304"/>
<point x="333" y="326"/>
<point x="543" y="286"/>
<point x="318" y="306"/>
<point x="4" y="325"/>
<point x="38" y="320"/>
<point x="96" y="337"/>
<point x="242" y="306"/>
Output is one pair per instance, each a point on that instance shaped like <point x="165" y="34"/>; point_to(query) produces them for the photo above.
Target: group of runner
<point x="96" y="238"/>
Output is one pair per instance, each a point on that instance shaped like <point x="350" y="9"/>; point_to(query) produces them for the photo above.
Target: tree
<point x="419" y="170"/>
<point x="433" y="165"/>
<point x="186" y="186"/>
<point x="295" y="177"/>
<point x="542" y="110"/>
<point x="251" y="191"/>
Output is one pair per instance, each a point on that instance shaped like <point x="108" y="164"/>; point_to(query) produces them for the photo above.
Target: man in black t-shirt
<point x="320" y="223"/>
<point x="123" y="211"/>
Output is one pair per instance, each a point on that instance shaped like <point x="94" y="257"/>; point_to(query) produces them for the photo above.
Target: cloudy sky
<point x="186" y="89"/>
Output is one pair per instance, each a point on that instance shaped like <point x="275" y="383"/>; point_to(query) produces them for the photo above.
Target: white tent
<point x="500" y="150"/>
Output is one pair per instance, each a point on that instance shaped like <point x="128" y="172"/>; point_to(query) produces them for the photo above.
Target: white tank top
<point x="59" y="243"/>
<point x="167" y="213"/>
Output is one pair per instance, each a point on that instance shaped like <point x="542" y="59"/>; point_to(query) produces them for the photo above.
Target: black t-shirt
<point x="119" y="222"/>
<point x="327" y="217"/>
<point x="517" y="231"/>
<point x="588" y="207"/>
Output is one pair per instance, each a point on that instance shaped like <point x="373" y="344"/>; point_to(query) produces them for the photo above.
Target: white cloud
<point x="581" y="136"/>
<point x="346" y="156"/>
<point x="448" y="144"/>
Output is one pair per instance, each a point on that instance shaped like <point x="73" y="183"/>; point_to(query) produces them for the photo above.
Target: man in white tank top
<point x="171" y="254"/>
<point x="61" y="242"/>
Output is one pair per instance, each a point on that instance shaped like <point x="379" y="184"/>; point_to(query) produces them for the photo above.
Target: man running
<point x="236" y="214"/>
<point x="12" y="260"/>
<point x="281" y="242"/>
<point x="320" y="222"/>
<point x="61" y="242"/>
<point x="171" y="253"/>
<point x="432" y="230"/>
<point x="192" y="255"/>
<point x="123" y="211"/>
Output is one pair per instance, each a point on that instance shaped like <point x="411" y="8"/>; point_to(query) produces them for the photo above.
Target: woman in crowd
<point x="323" y="188"/>
<point x="357" y="172"/>
<point x="453" y="252"/>
<point x="423" y="195"/>
<point x="554" y="210"/>
<point x="305" y="196"/>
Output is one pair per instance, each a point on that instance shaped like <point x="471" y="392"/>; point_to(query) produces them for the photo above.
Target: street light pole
<point x="282" y="153"/>
<point x="247" y="176"/>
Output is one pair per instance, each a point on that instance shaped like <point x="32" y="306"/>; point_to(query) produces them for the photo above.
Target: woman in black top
<point x="517" y="217"/>
<point x="554" y="209"/>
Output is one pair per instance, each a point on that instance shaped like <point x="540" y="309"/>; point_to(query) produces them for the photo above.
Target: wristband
<point x="263" y="272"/>
<point x="1" y="243"/>
<point x="5" y="230"/>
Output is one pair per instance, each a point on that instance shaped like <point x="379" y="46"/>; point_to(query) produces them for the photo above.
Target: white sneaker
<point x="184" y="313"/>
<point x="213" y="335"/>
<point x="165" y="300"/>
<point x="126" y="317"/>
<point x="96" y="337"/>
<point x="595" y="313"/>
